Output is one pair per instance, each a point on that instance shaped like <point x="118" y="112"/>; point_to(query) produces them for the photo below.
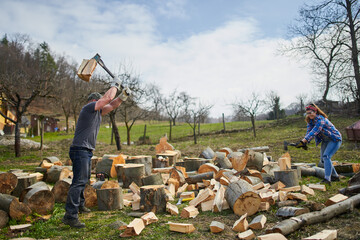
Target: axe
<point x="286" y="144"/>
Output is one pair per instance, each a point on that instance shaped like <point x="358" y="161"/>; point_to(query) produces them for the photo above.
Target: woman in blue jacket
<point x="324" y="132"/>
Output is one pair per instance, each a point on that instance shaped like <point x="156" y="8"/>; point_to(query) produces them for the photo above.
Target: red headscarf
<point x="311" y="107"/>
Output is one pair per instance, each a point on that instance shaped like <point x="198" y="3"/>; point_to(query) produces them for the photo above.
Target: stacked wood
<point x="153" y="179"/>
<point x="134" y="228"/>
<point x="216" y="227"/>
<point x="323" y="235"/>
<point x="149" y="218"/>
<point x="153" y="198"/>
<point x="60" y="190"/>
<point x="208" y="153"/>
<point x="258" y="222"/>
<point x="287" y="212"/>
<point x="116" y="160"/>
<point x="336" y="199"/>
<point x="56" y="173"/>
<point x="90" y="196"/>
<point x="242" y="198"/>
<point x="132" y="173"/>
<point x="105" y="165"/>
<point x="23" y="182"/>
<point x="39" y="198"/>
<point x="15" y="209"/>
<point x="172" y="209"/>
<point x="290" y="225"/>
<point x="146" y="160"/>
<point x="189" y="212"/>
<point x="241" y="224"/>
<point x="4" y="218"/>
<point x="8" y="182"/>
<point x="181" y="227"/>
<point x="247" y="235"/>
<point x="288" y="177"/>
<point x="109" y="199"/>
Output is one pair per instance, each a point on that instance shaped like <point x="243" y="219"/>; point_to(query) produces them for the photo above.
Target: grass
<point x="269" y="133"/>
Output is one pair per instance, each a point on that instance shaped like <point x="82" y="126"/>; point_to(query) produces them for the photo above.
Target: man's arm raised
<point x="116" y="102"/>
<point x="106" y="99"/>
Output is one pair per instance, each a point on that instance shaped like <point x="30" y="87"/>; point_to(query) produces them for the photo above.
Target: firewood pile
<point x="246" y="181"/>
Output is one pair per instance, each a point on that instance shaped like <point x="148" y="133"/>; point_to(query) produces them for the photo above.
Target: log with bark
<point x="287" y="177"/>
<point x="208" y="153"/>
<point x="256" y="149"/>
<point x="287" y="212"/>
<point x="109" y="199"/>
<point x="4" y="218"/>
<point x="90" y="196"/>
<point x="22" y="183"/>
<point x="242" y="198"/>
<point x="290" y="225"/>
<point x="56" y="173"/>
<point x="222" y="161"/>
<point x="153" y="179"/>
<point x="238" y="160"/>
<point x="142" y="159"/>
<point x="40" y="184"/>
<point x="192" y="179"/>
<point x="193" y="164"/>
<point x="8" y="182"/>
<point x="40" y="199"/>
<point x="351" y="190"/>
<point x="307" y="171"/>
<point x="354" y="180"/>
<point x="132" y="173"/>
<point x="11" y="205"/>
<point x="216" y="227"/>
<point x="208" y="167"/>
<point x="104" y="166"/>
<point x="255" y="161"/>
<point x="60" y="190"/>
<point x="171" y="156"/>
<point x="153" y="198"/>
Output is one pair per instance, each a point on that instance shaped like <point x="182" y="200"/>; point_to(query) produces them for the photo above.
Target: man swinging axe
<point x="83" y="144"/>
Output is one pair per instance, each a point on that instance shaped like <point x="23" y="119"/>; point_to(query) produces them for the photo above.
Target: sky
<point x="219" y="51"/>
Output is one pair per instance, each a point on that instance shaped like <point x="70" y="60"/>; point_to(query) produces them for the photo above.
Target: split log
<point x="251" y="180"/>
<point x="239" y="160"/>
<point x="149" y="218"/>
<point x="264" y="206"/>
<point x="172" y="209"/>
<point x="242" y="198"/>
<point x="247" y="235"/>
<point x="298" y="171"/>
<point x="61" y="189"/>
<point x="8" y="182"/>
<point x="189" y="212"/>
<point x="290" y="225"/>
<point x="134" y="188"/>
<point x="288" y="177"/>
<point x="317" y="187"/>
<point x="11" y="205"/>
<point x="354" y="180"/>
<point x="336" y="199"/>
<point x="90" y="196"/>
<point x="287" y="212"/>
<point x="277" y="186"/>
<point x="199" y="177"/>
<point x="40" y="199"/>
<point x="132" y="173"/>
<point x="94" y="161"/>
<point x="38" y="176"/>
<point x="218" y="200"/>
<point x="306" y="190"/>
<point x="297" y="196"/>
<point x="207" y="205"/>
<point x="4" y="218"/>
<point x="193" y="164"/>
<point x="134" y="228"/>
<point x="53" y="159"/>
<point x="109" y="199"/>
<point x="23" y="182"/>
<point x="208" y="167"/>
<point x="146" y="160"/>
<point x="287" y="203"/>
<point x="216" y="227"/>
<point x="255" y="161"/>
<point x="56" y="173"/>
<point x="285" y="162"/>
<point x="350" y="191"/>
<point x="291" y="189"/>
<point x="208" y="153"/>
<point x="182" y="189"/>
<point x="171" y="156"/>
<point x="181" y="227"/>
<point x="178" y="173"/>
<point x="226" y="150"/>
<point x="241" y="224"/>
<point x="203" y="196"/>
<point x="258" y="222"/>
<point x="323" y="235"/>
<point x="163" y="145"/>
<point x="254" y="173"/>
<point x="267" y="178"/>
<point x="153" y="198"/>
<point x="272" y="236"/>
<point x="20" y="228"/>
<point x="271" y="168"/>
<point x="222" y="161"/>
<point x="154" y="179"/>
<point x="116" y="160"/>
<point x="184" y="195"/>
<point x="173" y="181"/>
<point x="105" y="165"/>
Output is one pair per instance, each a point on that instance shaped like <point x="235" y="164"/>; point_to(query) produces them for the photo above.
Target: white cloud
<point x="216" y="66"/>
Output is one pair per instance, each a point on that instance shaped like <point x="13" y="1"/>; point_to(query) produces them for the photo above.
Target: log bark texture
<point x="154" y="179"/>
<point x="22" y="183"/>
<point x="287" y="177"/>
<point x="109" y="199"/>
<point x="132" y="173"/>
<point x="40" y="200"/>
<point x="4" y="218"/>
<point x="146" y="160"/>
<point x="192" y="179"/>
<point x="193" y="164"/>
<point x="16" y="210"/>
<point x="8" y="182"/>
<point x="61" y="189"/>
<point x="153" y="198"/>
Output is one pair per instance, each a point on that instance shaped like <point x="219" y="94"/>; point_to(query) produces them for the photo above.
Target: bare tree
<point x="249" y="108"/>
<point x="155" y="97"/>
<point x="174" y="104"/>
<point x="25" y="74"/>
<point x="273" y="101"/>
<point x="302" y="101"/>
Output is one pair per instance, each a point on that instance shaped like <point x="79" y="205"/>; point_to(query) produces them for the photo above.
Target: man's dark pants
<point x="81" y="161"/>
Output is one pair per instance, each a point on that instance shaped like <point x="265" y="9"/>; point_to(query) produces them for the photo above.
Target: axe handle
<point x="102" y="64"/>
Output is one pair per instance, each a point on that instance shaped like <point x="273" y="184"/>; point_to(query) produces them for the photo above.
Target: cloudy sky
<point x="215" y="50"/>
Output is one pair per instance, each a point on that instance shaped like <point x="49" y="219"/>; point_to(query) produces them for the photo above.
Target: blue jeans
<point x="328" y="149"/>
<point x="81" y="163"/>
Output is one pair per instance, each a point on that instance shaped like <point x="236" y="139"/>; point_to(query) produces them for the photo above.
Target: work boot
<point x="84" y="209"/>
<point x="325" y="181"/>
<point x="73" y="222"/>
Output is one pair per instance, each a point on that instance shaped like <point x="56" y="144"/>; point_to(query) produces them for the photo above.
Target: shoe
<point x="73" y="222"/>
<point x="324" y="181"/>
<point x="335" y="179"/>
<point x="84" y="209"/>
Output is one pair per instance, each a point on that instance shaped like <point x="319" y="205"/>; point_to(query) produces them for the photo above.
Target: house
<point x="6" y="126"/>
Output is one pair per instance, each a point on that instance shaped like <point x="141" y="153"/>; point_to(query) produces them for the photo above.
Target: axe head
<point x="86" y="69"/>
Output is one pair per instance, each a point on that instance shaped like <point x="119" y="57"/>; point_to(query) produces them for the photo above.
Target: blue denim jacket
<point x="321" y="127"/>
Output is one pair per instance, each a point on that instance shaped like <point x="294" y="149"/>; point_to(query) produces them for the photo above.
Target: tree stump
<point x="132" y="173"/>
<point x="160" y="162"/>
<point x="109" y="199"/>
<point x="193" y="164"/>
<point x="116" y="160"/>
<point x="56" y="173"/>
<point x="4" y="218"/>
<point x="154" y="179"/>
<point x="8" y="182"/>
<point x="172" y="157"/>
<point x="146" y="160"/>
<point x="104" y="166"/>
<point x="242" y="198"/>
<point x="40" y="184"/>
<point x="11" y="205"/>
<point x="119" y="171"/>
<point x="90" y="196"/>
<point x="40" y="200"/>
<point x="287" y="177"/>
<point x="61" y="189"/>
<point x="153" y="198"/>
